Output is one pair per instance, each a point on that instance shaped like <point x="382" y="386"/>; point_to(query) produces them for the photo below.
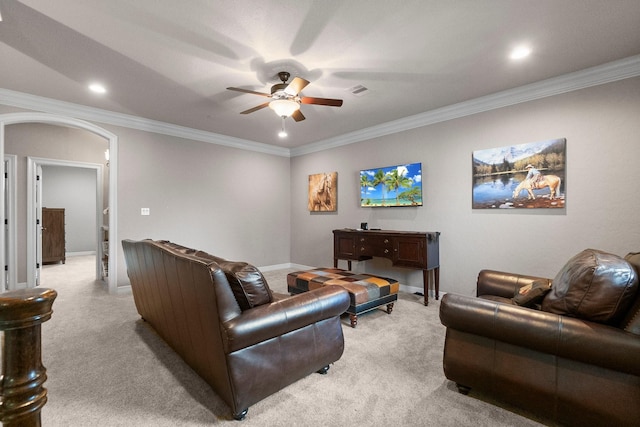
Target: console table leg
<point x="436" y="273"/>
<point x="425" y="284"/>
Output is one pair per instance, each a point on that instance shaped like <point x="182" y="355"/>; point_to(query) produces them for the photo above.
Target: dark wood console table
<point x="409" y="249"/>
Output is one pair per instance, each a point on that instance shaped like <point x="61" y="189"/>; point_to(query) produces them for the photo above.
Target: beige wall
<point x="250" y="206"/>
<point x="50" y="142"/>
<point x="230" y="202"/>
<point x="603" y="147"/>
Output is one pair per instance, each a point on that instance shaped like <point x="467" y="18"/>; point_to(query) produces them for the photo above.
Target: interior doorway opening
<point x="36" y="181"/>
<point x="44" y="118"/>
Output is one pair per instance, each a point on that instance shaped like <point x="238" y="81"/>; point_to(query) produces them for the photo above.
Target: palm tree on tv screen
<point x="379" y="179"/>
<point x="395" y="180"/>
<point x="365" y="183"/>
<point x="411" y="195"/>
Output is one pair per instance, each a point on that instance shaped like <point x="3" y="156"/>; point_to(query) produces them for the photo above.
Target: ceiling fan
<point x="286" y="98"/>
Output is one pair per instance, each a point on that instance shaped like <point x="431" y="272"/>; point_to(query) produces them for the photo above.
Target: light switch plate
<point x="145" y="211"/>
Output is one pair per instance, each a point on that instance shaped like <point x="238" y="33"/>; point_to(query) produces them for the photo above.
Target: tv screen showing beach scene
<point x="391" y="186"/>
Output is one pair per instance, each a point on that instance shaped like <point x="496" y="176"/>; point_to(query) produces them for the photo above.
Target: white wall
<point x="602" y="128"/>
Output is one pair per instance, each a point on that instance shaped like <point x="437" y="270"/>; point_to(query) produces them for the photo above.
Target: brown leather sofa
<point x="223" y="320"/>
<point x="570" y="354"/>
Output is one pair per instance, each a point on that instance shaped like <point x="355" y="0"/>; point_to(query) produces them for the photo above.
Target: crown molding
<point x="606" y="73"/>
<point x="91" y="114"/>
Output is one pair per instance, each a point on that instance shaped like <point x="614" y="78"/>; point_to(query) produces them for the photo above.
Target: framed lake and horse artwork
<point x="523" y="176"/>
<point x="323" y="192"/>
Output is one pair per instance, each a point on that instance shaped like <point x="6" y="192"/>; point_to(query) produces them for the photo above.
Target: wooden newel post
<point x="22" y="394"/>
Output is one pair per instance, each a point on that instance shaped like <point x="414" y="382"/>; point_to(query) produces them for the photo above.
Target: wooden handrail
<point x="22" y="394"/>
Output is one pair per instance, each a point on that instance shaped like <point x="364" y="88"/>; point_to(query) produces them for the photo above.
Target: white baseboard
<point x="81" y="253"/>
<point x="410" y="289"/>
<point x="284" y="266"/>
<point x="123" y="290"/>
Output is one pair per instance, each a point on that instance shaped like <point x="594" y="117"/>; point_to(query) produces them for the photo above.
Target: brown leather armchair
<point x="223" y="320"/>
<point x="572" y="356"/>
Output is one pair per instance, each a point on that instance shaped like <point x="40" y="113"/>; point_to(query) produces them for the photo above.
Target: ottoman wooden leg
<point x="389" y="308"/>
<point x="354" y="319"/>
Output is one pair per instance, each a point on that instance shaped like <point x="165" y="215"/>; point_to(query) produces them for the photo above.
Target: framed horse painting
<point x="323" y="192"/>
<point x="520" y="176"/>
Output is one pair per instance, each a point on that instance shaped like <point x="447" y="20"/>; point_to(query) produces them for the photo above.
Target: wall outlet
<point x="145" y="211"/>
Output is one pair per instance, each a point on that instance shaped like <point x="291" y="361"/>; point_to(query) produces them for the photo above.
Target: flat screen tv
<point x="390" y="186"/>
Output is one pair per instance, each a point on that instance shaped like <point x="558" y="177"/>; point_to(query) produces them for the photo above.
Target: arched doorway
<point x="34" y="117"/>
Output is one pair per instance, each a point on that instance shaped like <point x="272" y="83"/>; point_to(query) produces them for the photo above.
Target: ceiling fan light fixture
<point x="284" y="107"/>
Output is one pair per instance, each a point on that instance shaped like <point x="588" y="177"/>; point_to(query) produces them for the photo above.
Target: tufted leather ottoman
<point x="366" y="291"/>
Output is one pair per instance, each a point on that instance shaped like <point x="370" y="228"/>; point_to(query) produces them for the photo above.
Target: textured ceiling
<point x="171" y="61"/>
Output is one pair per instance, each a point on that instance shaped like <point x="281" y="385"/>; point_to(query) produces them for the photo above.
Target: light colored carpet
<point x="106" y="367"/>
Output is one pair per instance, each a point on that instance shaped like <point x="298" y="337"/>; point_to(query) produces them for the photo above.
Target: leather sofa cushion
<point x="247" y="283"/>
<point x="593" y="285"/>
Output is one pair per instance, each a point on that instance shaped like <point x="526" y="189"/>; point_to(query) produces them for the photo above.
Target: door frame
<point x="52" y="119"/>
<point x="10" y="281"/>
<point x="34" y="209"/>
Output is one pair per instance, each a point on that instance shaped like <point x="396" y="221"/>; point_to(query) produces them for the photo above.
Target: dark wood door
<point x="344" y="246"/>
<point x="53" y="235"/>
<point x="410" y="252"/>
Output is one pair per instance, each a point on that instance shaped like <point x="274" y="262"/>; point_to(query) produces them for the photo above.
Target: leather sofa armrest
<point x="277" y="318"/>
<point x="566" y="337"/>
<point x="502" y="284"/>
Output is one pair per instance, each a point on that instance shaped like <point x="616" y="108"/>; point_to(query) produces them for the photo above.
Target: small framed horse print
<point x="525" y="176"/>
<point x="323" y="192"/>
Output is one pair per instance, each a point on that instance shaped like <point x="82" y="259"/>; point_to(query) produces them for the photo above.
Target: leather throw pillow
<point x="247" y="283"/>
<point x="533" y="294"/>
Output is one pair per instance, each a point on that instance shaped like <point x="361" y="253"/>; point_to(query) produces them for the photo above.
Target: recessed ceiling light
<point x="97" y="88"/>
<point x="520" y="52"/>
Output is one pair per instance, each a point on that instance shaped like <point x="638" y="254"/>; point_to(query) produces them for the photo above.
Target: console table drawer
<point x="378" y="246"/>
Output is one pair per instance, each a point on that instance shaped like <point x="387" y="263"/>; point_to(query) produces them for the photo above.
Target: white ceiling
<point x="171" y="61"/>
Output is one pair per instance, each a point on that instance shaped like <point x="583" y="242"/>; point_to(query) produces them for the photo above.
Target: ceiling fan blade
<point x="297" y="116"/>
<point x="296" y="86"/>
<point x="237" y="89"/>
<point x="321" y="101"/>
<point x="251" y="110"/>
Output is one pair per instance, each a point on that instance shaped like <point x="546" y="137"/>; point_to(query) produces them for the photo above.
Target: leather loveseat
<point x="223" y="320"/>
<point x="570" y="354"/>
